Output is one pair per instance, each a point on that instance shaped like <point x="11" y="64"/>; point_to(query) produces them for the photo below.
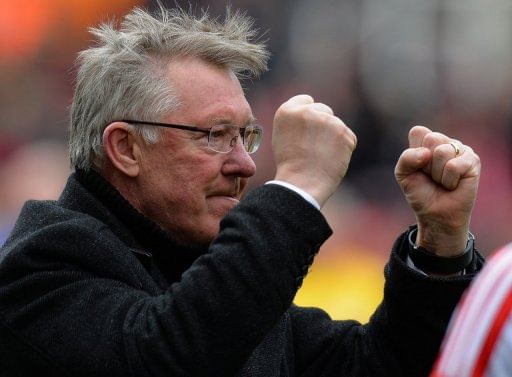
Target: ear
<point x="122" y="148"/>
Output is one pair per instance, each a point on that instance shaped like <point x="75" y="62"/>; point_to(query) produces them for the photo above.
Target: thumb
<point x="411" y="161"/>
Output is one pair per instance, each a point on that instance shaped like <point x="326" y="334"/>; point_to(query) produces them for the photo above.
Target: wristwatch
<point x="429" y="262"/>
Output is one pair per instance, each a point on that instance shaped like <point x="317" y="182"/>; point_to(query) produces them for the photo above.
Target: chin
<point x="200" y="231"/>
<point x="205" y="236"/>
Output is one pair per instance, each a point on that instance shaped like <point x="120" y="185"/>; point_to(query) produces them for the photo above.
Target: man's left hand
<point x="439" y="177"/>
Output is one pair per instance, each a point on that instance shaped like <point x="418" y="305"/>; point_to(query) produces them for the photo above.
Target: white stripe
<point x="463" y="346"/>
<point x="479" y="319"/>
<point x="472" y="321"/>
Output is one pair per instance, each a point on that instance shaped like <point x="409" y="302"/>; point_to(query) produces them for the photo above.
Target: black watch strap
<point x="429" y="262"/>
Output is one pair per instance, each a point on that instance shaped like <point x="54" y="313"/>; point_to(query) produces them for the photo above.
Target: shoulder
<point x="479" y="325"/>
<point x="49" y="219"/>
<point x="495" y="280"/>
<point x="58" y="244"/>
<point x="489" y="294"/>
<point x="503" y="254"/>
<point x="47" y="231"/>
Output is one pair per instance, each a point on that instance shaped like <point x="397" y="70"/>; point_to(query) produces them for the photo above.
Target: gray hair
<point x="123" y="76"/>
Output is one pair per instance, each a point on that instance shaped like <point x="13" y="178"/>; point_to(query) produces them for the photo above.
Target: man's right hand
<point x="312" y="147"/>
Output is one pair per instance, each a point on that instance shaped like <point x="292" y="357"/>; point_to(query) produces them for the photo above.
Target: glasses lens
<point x="252" y="138"/>
<point x="223" y="137"/>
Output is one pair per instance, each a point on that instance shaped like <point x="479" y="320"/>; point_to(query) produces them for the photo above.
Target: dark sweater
<point x="90" y="287"/>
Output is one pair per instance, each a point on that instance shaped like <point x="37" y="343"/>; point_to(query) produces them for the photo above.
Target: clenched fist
<point x="312" y="147"/>
<point x="439" y="177"/>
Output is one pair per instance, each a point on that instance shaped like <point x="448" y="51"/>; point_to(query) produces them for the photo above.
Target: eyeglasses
<point x="222" y="138"/>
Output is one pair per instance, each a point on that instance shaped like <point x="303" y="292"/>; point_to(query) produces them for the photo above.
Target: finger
<point x="326" y="119"/>
<point x="464" y="166"/>
<point x="416" y="135"/>
<point x="441" y="155"/>
<point x="345" y="130"/>
<point x="321" y="107"/>
<point x="412" y="160"/>
<point x="458" y="147"/>
<point x="433" y="139"/>
<point x="301" y="99"/>
<point x="351" y="135"/>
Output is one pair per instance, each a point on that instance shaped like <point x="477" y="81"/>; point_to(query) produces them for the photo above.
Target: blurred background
<point x="383" y="65"/>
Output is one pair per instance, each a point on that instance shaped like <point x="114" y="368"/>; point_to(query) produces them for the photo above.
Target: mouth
<point x="230" y="198"/>
<point x="233" y="197"/>
<point x="220" y="203"/>
<point x="234" y="194"/>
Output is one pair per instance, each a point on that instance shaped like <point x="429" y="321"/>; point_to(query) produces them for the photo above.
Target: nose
<point x="238" y="162"/>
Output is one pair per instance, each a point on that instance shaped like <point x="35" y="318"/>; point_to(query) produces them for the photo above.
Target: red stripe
<point x="436" y="371"/>
<point x="493" y="336"/>
<point x="466" y="306"/>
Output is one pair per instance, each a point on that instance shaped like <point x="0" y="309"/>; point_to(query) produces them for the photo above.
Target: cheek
<point x="191" y="187"/>
<point x="204" y="175"/>
<point x="186" y="180"/>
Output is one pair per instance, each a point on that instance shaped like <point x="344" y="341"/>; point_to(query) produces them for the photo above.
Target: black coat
<point x="89" y="287"/>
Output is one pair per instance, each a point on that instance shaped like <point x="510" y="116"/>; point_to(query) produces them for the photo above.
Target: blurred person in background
<point x="151" y="263"/>
<point x="479" y="339"/>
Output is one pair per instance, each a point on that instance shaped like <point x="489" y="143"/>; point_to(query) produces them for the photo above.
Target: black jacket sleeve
<point x="402" y="337"/>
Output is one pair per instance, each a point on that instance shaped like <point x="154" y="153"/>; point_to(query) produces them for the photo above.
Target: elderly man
<point x="151" y="264"/>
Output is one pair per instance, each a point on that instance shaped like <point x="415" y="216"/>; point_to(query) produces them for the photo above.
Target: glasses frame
<point x="194" y="129"/>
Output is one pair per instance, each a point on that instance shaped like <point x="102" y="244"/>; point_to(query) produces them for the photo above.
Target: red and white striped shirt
<point x="479" y="338"/>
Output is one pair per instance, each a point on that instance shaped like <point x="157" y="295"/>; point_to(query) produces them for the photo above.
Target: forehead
<point x="207" y="92"/>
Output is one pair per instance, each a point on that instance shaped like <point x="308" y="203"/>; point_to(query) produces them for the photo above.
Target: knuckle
<point x="433" y="138"/>
<point x="301" y="115"/>
<point x="354" y="140"/>
<point x="311" y="114"/>
<point x="347" y="137"/>
<point x="418" y="131"/>
<point x="455" y="167"/>
<point x="306" y="98"/>
<point x="469" y="149"/>
<point x="282" y="111"/>
<point x="442" y="151"/>
<point x="477" y="158"/>
<point x="404" y="154"/>
<point x="474" y="156"/>
<point x="290" y="112"/>
<point x="428" y="139"/>
<point x="338" y="123"/>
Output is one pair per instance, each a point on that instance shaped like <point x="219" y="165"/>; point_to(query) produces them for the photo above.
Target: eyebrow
<point x="250" y="121"/>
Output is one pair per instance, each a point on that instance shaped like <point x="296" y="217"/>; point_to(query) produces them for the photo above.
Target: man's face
<point x="185" y="187"/>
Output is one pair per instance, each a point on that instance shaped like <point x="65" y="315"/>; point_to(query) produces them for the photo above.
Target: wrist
<point x="432" y="263"/>
<point x="442" y="242"/>
<point x="310" y="199"/>
<point x="319" y="188"/>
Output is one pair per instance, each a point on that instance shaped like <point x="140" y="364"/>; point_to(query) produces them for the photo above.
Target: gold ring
<point x="456" y="146"/>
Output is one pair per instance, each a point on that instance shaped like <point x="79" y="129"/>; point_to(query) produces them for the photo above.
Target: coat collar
<point x="88" y="192"/>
